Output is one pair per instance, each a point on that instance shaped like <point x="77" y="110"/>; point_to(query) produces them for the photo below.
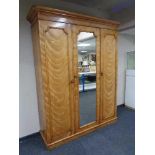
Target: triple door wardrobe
<point x="75" y="60"/>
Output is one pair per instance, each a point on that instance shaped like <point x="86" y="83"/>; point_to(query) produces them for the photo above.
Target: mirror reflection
<point x="87" y="77"/>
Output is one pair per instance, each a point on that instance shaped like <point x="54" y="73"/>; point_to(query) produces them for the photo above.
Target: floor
<point x="87" y="107"/>
<point x="115" y="139"/>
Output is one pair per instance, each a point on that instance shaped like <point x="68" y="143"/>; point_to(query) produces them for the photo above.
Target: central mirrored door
<point x="87" y="70"/>
<point x="86" y="44"/>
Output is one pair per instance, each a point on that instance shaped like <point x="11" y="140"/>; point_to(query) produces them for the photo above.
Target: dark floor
<point x="115" y="139"/>
<point x="87" y="107"/>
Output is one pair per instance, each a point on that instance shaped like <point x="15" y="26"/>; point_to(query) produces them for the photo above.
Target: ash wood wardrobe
<point x="54" y="35"/>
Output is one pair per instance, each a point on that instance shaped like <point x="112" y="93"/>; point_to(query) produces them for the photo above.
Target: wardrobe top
<point x="51" y="14"/>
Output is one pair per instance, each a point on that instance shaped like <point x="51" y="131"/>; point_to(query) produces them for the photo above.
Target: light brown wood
<point x="78" y="134"/>
<point x="56" y="15"/>
<point x="39" y="79"/>
<point x="54" y="34"/>
<point x="58" y="61"/>
<point x="108" y="69"/>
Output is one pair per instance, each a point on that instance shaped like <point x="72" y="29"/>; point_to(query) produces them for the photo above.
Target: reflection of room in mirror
<point x="85" y="35"/>
<point x="86" y="52"/>
<point x="87" y="77"/>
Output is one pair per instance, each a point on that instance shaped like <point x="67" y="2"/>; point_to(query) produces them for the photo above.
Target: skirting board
<point x="129" y="107"/>
<point x="77" y="135"/>
<point x="121" y="105"/>
<point x="29" y="136"/>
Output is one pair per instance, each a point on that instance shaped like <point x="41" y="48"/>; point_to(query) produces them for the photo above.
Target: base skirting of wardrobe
<point x="77" y="135"/>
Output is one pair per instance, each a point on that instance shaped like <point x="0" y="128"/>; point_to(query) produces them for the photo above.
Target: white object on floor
<point x="89" y="86"/>
<point x="130" y="89"/>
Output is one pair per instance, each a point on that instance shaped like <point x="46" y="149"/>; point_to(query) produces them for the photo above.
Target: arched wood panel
<point x="56" y="44"/>
<point x="108" y="70"/>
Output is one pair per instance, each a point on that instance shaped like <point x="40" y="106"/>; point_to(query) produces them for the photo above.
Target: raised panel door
<point x="56" y="50"/>
<point x="108" y="72"/>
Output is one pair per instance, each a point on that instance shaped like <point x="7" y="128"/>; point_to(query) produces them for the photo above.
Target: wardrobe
<point x="75" y="60"/>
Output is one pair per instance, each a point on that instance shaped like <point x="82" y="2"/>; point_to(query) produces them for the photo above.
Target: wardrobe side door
<point x="108" y="72"/>
<point x="56" y="46"/>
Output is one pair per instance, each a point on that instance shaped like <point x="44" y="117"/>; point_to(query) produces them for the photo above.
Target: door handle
<point x="101" y="73"/>
<point x="72" y="81"/>
<point x="75" y="77"/>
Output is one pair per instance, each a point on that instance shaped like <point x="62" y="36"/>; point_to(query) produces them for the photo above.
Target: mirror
<point x="86" y="44"/>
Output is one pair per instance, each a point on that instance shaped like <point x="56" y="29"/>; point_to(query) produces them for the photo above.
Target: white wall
<point x="125" y="44"/>
<point x="28" y="109"/>
<point x="130" y="89"/>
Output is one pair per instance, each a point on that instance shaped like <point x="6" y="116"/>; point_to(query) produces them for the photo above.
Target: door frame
<point x="76" y="29"/>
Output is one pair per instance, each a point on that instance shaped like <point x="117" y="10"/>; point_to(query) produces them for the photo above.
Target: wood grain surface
<point x="57" y="61"/>
<point x="108" y="61"/>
